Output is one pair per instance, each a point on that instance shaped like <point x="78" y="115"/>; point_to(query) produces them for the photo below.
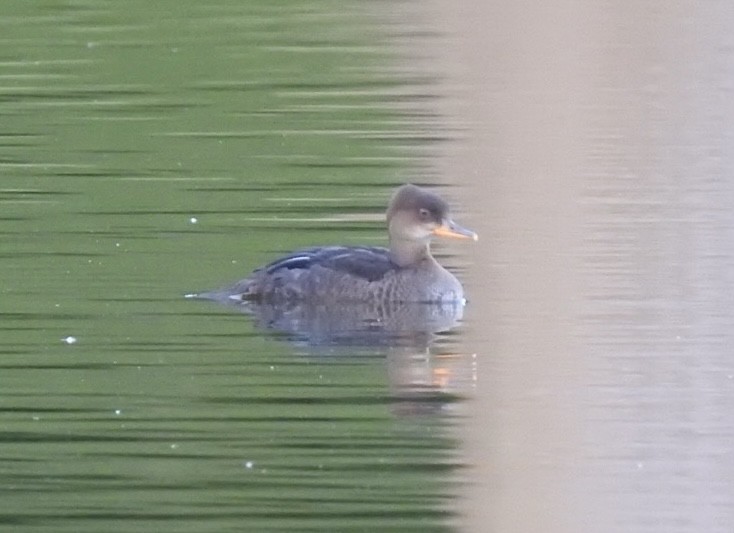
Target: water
<point x="595" y="142"/>
<point x="156" y="149"/>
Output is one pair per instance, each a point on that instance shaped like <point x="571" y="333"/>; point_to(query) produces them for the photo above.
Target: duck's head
<point x="416" y="214"/>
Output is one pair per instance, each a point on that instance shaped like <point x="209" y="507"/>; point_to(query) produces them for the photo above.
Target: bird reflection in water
<point x="423" y="379"/>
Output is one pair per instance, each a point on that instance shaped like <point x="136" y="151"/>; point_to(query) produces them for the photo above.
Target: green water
<point x="148" y="149"/>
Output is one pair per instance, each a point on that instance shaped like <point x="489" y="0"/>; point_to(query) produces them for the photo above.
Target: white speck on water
<point x="193" y="220"/>
<point x="118" y="412"/>
<point x="174" y="446"/>
<point x="249" y="464"/>
<point x="272" y="367"/>
<point x="69" y="340"/>
<point x="36" y="418"/>
<point x="117" y="245"/>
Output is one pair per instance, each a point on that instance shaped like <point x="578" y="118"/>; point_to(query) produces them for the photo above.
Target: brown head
<point x="414" y="216"/>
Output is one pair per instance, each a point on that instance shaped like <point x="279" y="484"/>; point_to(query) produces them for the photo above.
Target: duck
<point x="404" y="272"/>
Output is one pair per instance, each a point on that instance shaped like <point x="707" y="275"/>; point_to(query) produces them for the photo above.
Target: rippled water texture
<point x="153" y="149"/>
<point x="598" y="149"/>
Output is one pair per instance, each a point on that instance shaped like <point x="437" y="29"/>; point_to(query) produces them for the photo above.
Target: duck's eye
<point x="424" y="213"/>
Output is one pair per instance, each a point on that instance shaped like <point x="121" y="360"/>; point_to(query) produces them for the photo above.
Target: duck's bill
<point x="452" y="230"/>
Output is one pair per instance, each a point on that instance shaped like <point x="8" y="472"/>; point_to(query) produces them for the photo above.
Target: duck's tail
<point x="241" y="292"/>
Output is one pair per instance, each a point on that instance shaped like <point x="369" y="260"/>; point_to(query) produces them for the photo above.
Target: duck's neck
<point x="409" y="252"/>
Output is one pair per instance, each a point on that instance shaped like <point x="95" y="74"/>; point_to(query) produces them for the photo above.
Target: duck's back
<point x="370" y="263"/>
<point x="325" y="272"/>
<point x="345" y="273"/>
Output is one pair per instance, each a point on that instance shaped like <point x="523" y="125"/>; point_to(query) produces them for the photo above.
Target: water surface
<point x="154" y="149"/>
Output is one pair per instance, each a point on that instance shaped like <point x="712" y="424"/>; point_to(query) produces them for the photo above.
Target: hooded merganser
<point x="404" y="272"/>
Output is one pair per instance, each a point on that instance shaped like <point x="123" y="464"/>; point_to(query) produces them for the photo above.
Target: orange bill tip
<point x="452" y="230"/>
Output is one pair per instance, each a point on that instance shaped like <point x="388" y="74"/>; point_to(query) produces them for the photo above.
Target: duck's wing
<point x="366" y="262"/>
